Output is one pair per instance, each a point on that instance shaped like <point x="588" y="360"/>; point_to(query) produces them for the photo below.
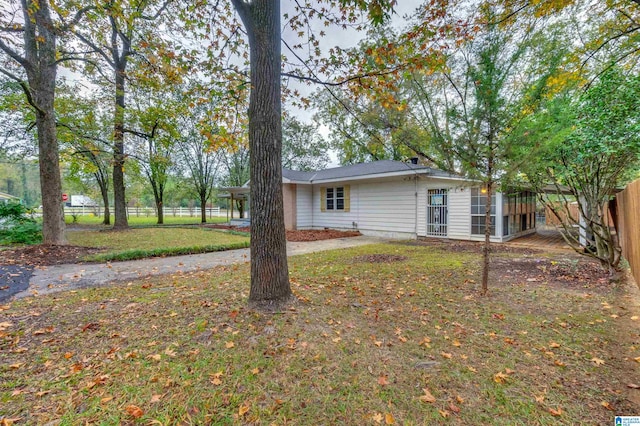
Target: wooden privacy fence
<point x="572" y="208"/>
<point x="629" y="226"/>
<point x="552" y="219"/>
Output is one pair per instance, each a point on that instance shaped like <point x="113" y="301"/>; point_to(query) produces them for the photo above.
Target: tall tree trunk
<point x="240" y="208"/>
<point x="160" y="209"/>
<point x="158" y="195"/>
<point x="270" y="286"/>
<point x="486" y="250"/>
<point x="203" y="206"/>
<point x="50" y="182"/>
<point x="104" y="192"/>
<point x="23" y="178"/>
<point x="107" y="215"/>
<point x="119" y="199"/>
<point x="40" y="55"/>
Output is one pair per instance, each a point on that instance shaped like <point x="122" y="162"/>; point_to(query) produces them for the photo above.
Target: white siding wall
<point x="460" y="213"/>
<point x="459" y="199"/>
<point x="388" y="207"/>
<point x="304" y="205"/>
<point x="422" y="207"/>
<point x="460" y="216"/>
<point x="382" y="206"/>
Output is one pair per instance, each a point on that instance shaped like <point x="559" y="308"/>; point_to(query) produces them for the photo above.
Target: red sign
<point x="65" y="197"/>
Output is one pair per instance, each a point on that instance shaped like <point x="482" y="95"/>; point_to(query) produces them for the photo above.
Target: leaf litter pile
<point x="45" y="255"/>
<point x="405" y="342"/>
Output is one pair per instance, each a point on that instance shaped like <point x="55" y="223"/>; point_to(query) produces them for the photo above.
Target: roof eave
<point x="420" y="172"/>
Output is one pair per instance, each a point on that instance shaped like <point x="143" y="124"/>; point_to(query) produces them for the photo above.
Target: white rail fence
<point x="148" y="211"/>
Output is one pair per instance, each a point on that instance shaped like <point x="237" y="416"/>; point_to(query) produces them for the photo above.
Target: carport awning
<point x="235" y="192"/>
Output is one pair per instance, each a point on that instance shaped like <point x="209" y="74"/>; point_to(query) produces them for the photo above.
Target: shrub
<point x="16" y="227"/>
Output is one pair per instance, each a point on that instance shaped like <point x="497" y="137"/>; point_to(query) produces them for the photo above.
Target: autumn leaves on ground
<point x="383" y="334"/>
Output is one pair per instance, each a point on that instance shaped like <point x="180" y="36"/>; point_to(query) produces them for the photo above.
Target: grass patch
<point x="145" y="220"/>
<point x="407" y="342"/>
<point x="160" y="252"/>
<point x="148" y="242"/>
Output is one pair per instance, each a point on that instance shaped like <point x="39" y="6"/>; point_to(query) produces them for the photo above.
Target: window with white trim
<point x="478" y="217"/>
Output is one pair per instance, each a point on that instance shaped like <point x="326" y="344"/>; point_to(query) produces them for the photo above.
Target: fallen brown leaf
<point x="427" y="397"/>
<point x="606" y="405"/>
<point x="555" y="413"/>
<point x="500" y="377"/>
<point x="134" y="411"/>
<point x="243" y="409"/>
<point x="388" y="419"/>
<point x="382" y="380"/>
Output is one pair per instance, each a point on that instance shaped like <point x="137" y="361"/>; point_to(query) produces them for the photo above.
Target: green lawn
<point x="155" y="241"/>
<point x="145" y="220"/>
<point x="368" y="343"/>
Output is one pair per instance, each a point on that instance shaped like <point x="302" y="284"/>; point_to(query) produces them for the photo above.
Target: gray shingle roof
<point x="363" y="169"/>
<point x="297" y="175"/>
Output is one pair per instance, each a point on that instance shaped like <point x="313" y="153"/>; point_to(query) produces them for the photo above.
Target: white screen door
<point x="437" y="212"/>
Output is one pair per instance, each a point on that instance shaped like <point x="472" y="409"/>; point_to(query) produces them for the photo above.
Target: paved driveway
<point x="50" y="279"/>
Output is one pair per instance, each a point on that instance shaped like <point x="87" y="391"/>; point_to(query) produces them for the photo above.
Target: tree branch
<point x="76" y="18"/>
<point x="12" y="29"/>
<point x="25" y="88"/>
<point x="76" y="58"/>
<point x="139" y="134"/>
<point x="607" y="41"/>
<point x="244" y="10"/>
<point x="14" y="55"/>
<point x="158" y="13"/>
<point x="611" y="65"/>
<point x="340" y="83"/>
<point x="95" y="48"/>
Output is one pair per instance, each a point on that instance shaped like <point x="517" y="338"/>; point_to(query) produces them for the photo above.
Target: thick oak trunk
<point x="119" y="199"/>
<point x="40" y="56"/>
<point x="270" y="286"/>
<point x="50" y="182"/>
